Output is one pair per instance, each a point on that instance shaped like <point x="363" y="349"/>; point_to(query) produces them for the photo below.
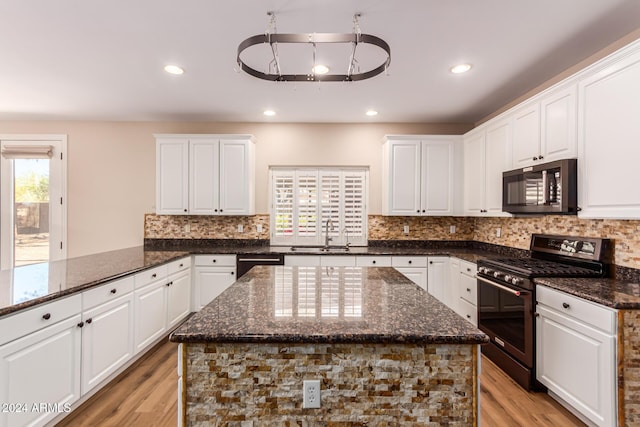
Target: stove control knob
<point x="507" y="278"/>
<point x="497" y="274"/>
<point x="516" y="281"/>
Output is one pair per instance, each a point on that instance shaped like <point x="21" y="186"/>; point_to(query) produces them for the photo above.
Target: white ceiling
<point x="103" y="60"/>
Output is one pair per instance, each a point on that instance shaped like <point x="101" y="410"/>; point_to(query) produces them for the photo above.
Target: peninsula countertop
<point x="327" y="305"/>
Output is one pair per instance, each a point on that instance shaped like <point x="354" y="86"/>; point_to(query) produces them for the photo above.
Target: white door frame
<point x="57" y="239"/>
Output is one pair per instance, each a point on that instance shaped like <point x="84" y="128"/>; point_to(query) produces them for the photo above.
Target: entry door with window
<point x="32" y="214"/>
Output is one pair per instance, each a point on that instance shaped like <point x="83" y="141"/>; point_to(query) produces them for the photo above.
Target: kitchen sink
<point x="319" y="248"/>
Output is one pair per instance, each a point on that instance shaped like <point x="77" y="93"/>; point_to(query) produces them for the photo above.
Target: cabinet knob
<point x="89" y="320"/>
<point x="185" y="210"/>
<point x="468" y="270"/>
<point x="215" y="210"/>
<point x="232" y="273"/>
<point x="535" y="158"/>
<point x="46" y="316"/>
<point x="423" y="211"/>
<point x="540" y="157"/>
<point x="373" y="262"/>
<point x="170" y="283"/>
<point x="113" y="291"/>
<point x="80" y="325"/>
<point x="181" y="265"/>
<point x="565" y="305"/>
<point x="468" y="316"/>
<point x="409" y="261"/>
<point x="468" y="290"/>
<point x="430" y="262"/>
<point x="418" y="211"/>
<point x="220" y="210"/>
<point x="214" y="261"/>
<point x="154" y="275"/>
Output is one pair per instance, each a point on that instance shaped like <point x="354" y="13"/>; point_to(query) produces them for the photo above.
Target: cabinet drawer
<point x="179" y="265"/>
<point x="338" y="261"/>
<point x="468" y="289"/>
<point x="585" y="311"/>
<point x="409" y="261"/>
<point x="149" y="276"/>
<point x="468" y="268"/>
<point x="107" y="292"/>
<point x="215" y="260"/>
<point x="28" y="321"/>
<point x="468" y="311"/>
<point x="373" y="261"/>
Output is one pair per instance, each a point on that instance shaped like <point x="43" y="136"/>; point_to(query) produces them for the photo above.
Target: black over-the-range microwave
<point x="549" y="188"/>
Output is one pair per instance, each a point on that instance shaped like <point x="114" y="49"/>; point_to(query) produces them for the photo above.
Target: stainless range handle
<point x="499" y="286"/>
<point x="259" y="260"/>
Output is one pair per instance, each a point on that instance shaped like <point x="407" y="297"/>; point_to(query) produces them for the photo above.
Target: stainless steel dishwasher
<point x="246" y="261"/>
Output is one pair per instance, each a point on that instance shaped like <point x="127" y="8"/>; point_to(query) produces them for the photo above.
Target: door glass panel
<point x="31" y="211"/>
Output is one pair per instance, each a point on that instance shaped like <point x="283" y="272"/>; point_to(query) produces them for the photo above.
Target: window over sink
<point x="309" y="203"/>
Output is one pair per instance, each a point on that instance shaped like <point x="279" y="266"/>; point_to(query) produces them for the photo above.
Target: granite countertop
<point x="327" y="305"/>
<point x="29" y="285"/>
<point x="618" y="294"/>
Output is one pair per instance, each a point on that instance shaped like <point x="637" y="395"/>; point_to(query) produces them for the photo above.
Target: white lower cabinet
<point x="107" y="332"/>
<point x="576" y="354"/>
<point x="178" y="291"/>
<point x="413" y="267"/>
<point x="438" y="278"/>
<point x="212" y="275"/>
<point x="468" y="292"/>
<point x="41" y="367"/>
<point x="150" y="314"/>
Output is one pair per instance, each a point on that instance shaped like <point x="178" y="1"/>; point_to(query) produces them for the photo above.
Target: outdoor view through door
<point x="32" y="214"/>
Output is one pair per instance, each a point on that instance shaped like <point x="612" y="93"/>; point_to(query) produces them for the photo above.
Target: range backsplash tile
<point x="515" y="232"/>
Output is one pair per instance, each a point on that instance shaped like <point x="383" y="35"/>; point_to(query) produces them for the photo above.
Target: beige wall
<point x="111" y="166"/>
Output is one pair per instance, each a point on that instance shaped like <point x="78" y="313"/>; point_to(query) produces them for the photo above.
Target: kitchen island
<point x="385" y="352"/>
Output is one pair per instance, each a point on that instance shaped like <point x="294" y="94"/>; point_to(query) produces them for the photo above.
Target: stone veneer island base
<point x="385" y="351"/>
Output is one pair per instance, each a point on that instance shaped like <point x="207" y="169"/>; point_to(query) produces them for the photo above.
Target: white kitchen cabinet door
<point x="150" y="313"/>
<point x="172" y="176"/>
<point x="497" y="160"/>
<point x="107" y="339"/>
<point x="417" y="275"/>
<point x="42" y="367"/>
<point x="236" y="177"/>
<point x="178" y="297"/>
<point x="437" y="177"/>
<point x="204" y="171"/>
<point x="558" y="116"/>
<point x="526" y="135"/>
<point x="608" y="135"/>
<point x="474" y="173"/>
<point x="438" y="278"/>
<point x="590" y="385"/>
<point x="454" y="279"/>
<point x="401" y="177"/>
<point x="211" y="282"/>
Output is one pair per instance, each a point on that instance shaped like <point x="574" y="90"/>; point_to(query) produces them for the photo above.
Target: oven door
<point x="505" y="314"/>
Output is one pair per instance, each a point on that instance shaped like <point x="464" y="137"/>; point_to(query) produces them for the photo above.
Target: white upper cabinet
<point x="544" y="129"/>
<point x="172" y="176"/>
<point x="486" y="156"/>
<point x="418" y="175"/>
<point x="609" y="137"/>
<point x="205" y="175"/>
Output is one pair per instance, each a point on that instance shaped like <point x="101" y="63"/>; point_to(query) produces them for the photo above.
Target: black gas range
<point x="506" y="296"/>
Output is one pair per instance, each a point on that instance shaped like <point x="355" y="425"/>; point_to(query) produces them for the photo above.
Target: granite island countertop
<point x="327" y="305"/>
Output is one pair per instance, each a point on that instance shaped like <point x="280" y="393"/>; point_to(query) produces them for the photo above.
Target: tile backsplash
<point x="514" y="232"/>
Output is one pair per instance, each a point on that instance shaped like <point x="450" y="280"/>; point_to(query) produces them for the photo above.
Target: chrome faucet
<point x="328" y="226"/>
<point x="346" y="235"/>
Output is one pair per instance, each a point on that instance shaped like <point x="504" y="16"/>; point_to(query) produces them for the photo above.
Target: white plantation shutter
<point x="282" y="186"/>
<point x="355" y="218"/>
<point x="303" y="199"/>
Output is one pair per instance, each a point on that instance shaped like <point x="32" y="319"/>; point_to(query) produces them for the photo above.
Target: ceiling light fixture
<point x="269" y="113"/>
<point x="460" y="68"/>
<point x="371" y="113"/>
<point x="173" y="69"/>
<point x="320" y="69"/>
<point x="273" y="38"/>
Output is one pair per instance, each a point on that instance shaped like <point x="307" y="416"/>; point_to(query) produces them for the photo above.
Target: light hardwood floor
<point x="146" y="395"/>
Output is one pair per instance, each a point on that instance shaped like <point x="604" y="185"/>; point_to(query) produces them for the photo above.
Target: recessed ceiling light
<point x="320" y="69"/>
<point x="173" y="69"/>
<point x="460" y="68"/>
<point x="269" y="113"/>
<point x="371" y="113"/>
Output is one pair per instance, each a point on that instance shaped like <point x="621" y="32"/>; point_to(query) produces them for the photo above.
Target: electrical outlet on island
<point x="311" y="394"/>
